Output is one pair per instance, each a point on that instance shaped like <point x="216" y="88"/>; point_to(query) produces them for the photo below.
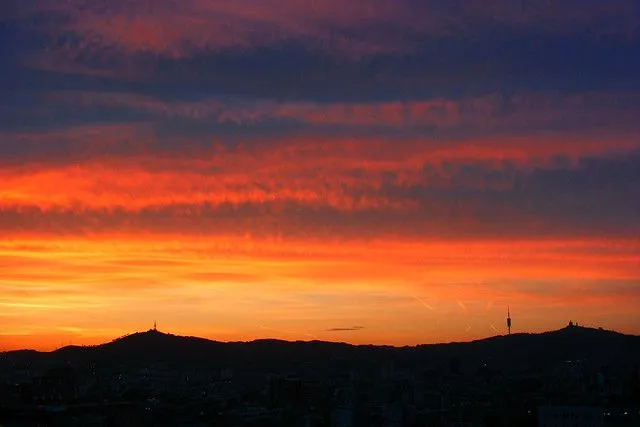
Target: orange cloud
<point x="129" y="168"/>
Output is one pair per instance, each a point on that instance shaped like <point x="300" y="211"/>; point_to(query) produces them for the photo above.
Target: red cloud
<point x="127" y="168"/>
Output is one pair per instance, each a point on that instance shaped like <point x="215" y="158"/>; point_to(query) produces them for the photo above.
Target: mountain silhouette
<point x="516" y="351"/>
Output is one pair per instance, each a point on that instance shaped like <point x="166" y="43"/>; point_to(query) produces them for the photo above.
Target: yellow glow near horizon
<point x="93" y="289"/>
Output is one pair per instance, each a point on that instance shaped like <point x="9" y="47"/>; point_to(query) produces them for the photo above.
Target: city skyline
<point x="385" y="172"/>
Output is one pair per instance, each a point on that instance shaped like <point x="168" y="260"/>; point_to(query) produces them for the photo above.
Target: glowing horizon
<point x="265" y="289"/>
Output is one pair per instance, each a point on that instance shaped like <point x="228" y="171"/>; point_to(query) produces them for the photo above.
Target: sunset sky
<point x="380" y="171"/>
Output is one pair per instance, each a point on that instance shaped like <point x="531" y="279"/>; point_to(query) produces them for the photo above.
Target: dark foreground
<point x="572" y="377"/>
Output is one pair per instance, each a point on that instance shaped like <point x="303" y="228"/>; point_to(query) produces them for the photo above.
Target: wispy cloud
<point x="495" y="112"/>
<point x="346" y="329"/>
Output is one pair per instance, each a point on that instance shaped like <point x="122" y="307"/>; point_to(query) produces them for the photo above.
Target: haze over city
<point x="385" y="171"/>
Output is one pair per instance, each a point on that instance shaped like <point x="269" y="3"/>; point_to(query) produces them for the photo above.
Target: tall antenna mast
<point x="508" y="320"/>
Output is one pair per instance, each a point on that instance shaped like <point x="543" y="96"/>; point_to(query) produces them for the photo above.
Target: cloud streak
<point x="519" y="186"/>
<point x="495" y="112"/>
<point x="179" y="28"/>
<point x="347" y="329"/>
<point x="380" y="49"/>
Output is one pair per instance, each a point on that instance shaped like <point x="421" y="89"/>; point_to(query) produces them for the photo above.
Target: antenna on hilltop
<point x="508" y="320"/>
<point x="155" y="325"/>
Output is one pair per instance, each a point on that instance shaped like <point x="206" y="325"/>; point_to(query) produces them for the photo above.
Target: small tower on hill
<point x="508" y="321"/>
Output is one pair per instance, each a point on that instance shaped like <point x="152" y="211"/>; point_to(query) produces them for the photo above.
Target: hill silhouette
<point x="517" y="351"/>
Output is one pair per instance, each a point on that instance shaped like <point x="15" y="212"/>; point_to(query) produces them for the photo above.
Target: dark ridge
<point x="516" y="351"/>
